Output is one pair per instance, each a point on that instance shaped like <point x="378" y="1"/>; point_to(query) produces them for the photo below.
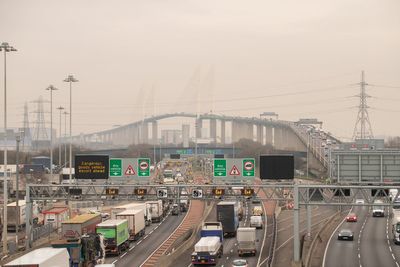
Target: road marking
<point x="114" y="262"/>
<point x="131" y="248"/>
<point x="123" y="254"/>
<point x="140" y="241"/>
<point x="151" y="232"/>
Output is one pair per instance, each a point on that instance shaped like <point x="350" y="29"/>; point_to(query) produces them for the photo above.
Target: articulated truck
<point x="227" y="214"/>
<point x="116" y="235"/>
<point x="209" y="248"/>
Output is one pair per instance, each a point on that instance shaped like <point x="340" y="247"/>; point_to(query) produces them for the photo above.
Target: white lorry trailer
<point x="42" y="257"/>
<point x="136" y="223"/>
<point x="207" y="251"/>
<point x="246" y="237"/>
<point x="130" y="206"/>
<point x="156" y="210"/>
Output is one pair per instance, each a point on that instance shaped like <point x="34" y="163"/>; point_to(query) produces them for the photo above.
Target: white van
<point x="256" y="221"/>
<point x="378" y="210"/>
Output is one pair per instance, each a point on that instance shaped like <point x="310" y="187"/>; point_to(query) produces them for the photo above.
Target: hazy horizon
<point x="139" y="58"/>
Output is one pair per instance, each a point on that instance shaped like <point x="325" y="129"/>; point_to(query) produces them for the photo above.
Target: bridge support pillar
<point x="185" y="134"/>
<point x="268" y="135"/>
<point x="136" y="134"/>
<point x="278" y="137"/>
<point x="213" y="130"/>
<point x="144" y="133"/>
<point x="260" y="135"/>
<point x="237" y="131"/>
<point x="249" y="131"/>
<point x="223" y="138"/>
<point x="199" y="126"/>
<point x="154" y="132"/>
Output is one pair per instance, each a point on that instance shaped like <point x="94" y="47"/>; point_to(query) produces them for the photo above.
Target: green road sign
<point x="248" y="167"/>
<point x="115" y="168"/>
<point x="219" y="167"/>
<point x="143" y="169"/>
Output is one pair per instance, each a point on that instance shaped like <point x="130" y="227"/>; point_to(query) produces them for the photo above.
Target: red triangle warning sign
<point x="130" y="171"/>
<point x="234" y="171"/>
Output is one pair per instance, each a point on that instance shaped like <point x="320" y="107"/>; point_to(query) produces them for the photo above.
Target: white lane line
<point x="131" y="248"/>
<point x="330" y="238"/>
<point x="114" y="262"/>
<point x="151" y="232"/>
<point x="123" y="254"/>
<point x="140" y="241"/>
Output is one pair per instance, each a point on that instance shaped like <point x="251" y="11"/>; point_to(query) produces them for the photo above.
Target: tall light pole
<point x="51" y="88"/>
<point x="6" y="48"/>
<point x="70" y="79"/>
<point x="18" y="140"/>
<point x="65" y="138"/>
<point x="60" y="108"/>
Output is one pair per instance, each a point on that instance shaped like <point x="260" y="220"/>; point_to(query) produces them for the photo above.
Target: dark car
<point x="346" y="234"/>
<point x="175" y="209"/>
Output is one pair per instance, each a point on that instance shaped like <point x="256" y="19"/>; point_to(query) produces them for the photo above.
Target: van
<point x="256" y="221"/>
<point x="378" y="210"/>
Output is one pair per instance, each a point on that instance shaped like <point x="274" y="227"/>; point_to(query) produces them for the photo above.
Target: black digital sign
<point x="276" y="167"/>
<point x="175" y="156"/>
<point x="91" y="166"/>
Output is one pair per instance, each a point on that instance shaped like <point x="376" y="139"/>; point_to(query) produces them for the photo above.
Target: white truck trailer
<point x="246" y="237"/>
<point x="207" y="250"/>
<point x="130" y="206"/>
<point x="156" y="209"/>
<point x="42" y="257"/>
<point x="136" y="223"/>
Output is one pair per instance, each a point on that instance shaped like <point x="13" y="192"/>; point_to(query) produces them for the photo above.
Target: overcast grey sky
<point x="297" y="58"/>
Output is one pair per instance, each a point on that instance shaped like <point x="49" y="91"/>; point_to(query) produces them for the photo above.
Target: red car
<point x="352" y="217"/>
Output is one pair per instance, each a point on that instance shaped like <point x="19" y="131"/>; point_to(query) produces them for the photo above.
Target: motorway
<point x="230" y="244"/>
<point x="140" y="250"/>
<point x="372" y="245"/>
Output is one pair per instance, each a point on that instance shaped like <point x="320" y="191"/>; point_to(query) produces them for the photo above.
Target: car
<point x="175" y="210"/>
<point x="351" y="217"/>
<point x="359" y="201"/>
<point x="346" y="234"/>
<point x="240" y="263"/>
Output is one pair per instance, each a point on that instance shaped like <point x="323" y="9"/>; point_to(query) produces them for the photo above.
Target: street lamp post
<point x="60" y="108"/>
<point x="18" y="139"/>
<point x="6" y="48"/>
<point x="65" y="138"/>
<point x="70" y="79"/>
<point x="51" y="88"/>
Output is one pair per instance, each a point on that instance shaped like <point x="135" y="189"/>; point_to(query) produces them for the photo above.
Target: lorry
<point x="156" y="210"/>
<point x="81" y="224"/>
<point x="42" y="257"/>
<point x="136" y="206"/>
<point x="184" y="203"/>
<point x="256" y="221"/>
<point x="116" y="235"/>
<point x="246" y="237"/>
<point x="136" y="223"/>
<point x="207" y="251"/>
<point x="227" y="214"/>
<point x="85" y="251"/>
<point x="212" y="229"/>
<point x="12" y="214"/>
<point x="396" y="229"/>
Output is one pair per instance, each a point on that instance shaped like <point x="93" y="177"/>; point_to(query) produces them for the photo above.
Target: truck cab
<point x="396" y="229"/>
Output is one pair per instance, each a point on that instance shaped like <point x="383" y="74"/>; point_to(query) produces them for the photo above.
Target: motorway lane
<point x="375" y="243"/>
<point x="345" y="253"/>
<point x="284" y="245"/>
<point x="140" y="250"/>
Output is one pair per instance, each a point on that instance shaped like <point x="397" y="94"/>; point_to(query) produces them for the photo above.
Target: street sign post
<point x="219" y="168"/>
<point x="115" y="168"/>
<point x="248" y="167"/>
<point x="143" y="167"/>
